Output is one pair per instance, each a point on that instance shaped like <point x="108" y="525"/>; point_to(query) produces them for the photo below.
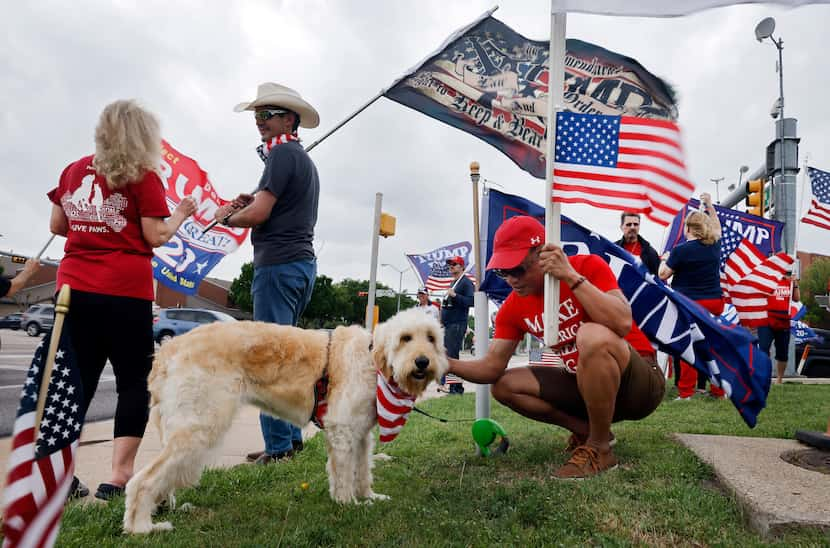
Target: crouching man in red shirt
<point x="608" y="371"/>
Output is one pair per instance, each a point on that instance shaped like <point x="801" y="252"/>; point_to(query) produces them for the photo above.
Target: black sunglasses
<point x="267" y="114"/>
<point x="516" y="272"/>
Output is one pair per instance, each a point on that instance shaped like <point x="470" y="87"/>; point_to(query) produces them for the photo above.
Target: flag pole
<point x="61" y="309"/>
<point x="480" y="308"/>
<point x="42" y="251"/>
<point x="556" y="62"/>
<point x="382" y="92"/>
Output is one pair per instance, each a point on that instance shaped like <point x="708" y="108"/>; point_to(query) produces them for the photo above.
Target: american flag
<point x="819" y="212"/>
<point x="541" y="357"/>
<point x="620" y="162"/>
<point x="40" y="471"/>
<point x="393" y="408"/>
<point x="749" y="295"/>
<point x="738" y="264"/>
<point x="440" y="278"/>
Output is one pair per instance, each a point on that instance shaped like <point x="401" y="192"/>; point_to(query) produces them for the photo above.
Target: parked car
<point x="174" y="321"/>
<point x="38" y="319"/>
<point x="11" y="321"/>
<point x="817" y="363"/>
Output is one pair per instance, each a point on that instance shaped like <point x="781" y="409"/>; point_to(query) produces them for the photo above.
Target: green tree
<point x="325" y="308"/>
<point x="240" y="291"/>
<point x="814" y="282"/>
<point x="331" y="304"/>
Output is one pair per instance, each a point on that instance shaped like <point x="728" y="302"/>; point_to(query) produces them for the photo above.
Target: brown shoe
<point x="586" y="462"/>
<point x="575" y="441"/>
<point x="251" y="457"/>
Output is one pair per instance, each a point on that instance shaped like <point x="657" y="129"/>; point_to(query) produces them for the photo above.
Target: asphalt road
<point x="16" y="355"/>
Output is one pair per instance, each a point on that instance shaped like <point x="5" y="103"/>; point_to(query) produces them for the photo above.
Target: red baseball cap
<point x="513" y="238"/>
<point x="456" y="259"/>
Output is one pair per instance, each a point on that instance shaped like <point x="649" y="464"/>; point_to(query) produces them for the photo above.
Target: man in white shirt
<point x="425" y="304"/>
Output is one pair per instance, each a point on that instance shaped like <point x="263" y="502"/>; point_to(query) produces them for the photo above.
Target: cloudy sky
<point x="190" y="64"/>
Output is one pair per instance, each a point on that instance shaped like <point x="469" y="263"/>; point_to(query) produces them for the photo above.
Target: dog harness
<point x="393" y="406"/>
<point x="321" y="390"/>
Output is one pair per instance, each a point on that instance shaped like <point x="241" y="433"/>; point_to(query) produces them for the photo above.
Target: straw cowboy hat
<point x="270" y="94"/>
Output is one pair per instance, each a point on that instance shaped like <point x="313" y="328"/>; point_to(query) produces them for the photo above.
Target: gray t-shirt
<point x="288" y="233"/>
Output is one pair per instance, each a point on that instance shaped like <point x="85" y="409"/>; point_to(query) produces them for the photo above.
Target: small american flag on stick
<point x="46" y="433"/>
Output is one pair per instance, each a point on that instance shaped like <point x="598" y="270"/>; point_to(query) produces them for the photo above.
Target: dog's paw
<point x="376" y="497"/>
<point x="186" y="507"/>
<point x="380" y="457"/>
<point x="163" y="526"/>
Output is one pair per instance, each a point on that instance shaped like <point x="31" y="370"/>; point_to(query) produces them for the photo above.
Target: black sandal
<point x="108" y="491"/>
<point x="77" y="490"/>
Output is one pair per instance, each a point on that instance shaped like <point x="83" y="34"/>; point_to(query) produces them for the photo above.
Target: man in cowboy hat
<point x="282" y="214"/>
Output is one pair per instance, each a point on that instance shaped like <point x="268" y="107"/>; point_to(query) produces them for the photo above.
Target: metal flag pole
<point x="382" y="92"/>
<point x="553" y="213"/>
<point x="61" y="308"/>
<point x="42" y="251"/>
<point x="480" y="308"/>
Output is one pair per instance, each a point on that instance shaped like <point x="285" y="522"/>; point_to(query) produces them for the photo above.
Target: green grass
<point x="444" y="495"/>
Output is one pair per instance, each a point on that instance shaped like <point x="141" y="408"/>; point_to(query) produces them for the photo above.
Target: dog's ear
<point x="379" y="352"/>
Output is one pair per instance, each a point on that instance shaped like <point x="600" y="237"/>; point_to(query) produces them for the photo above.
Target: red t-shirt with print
<point x="105" y="250"/>
<point x="519" y="315"/>
<point x="778" y="305"/>
<point x="633" y="247"/>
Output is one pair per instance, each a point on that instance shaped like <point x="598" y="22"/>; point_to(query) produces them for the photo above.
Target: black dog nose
<point x="421" y="362"/>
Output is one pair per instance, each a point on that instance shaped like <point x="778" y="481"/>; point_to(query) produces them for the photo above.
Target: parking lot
<point x="15" y="357"/>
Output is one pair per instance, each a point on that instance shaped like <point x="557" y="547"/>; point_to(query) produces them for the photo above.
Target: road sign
<point x="378" y="293"/>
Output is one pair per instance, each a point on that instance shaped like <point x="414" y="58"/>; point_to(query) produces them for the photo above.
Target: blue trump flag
<point x="728" y="354"/>
<point x="765" y="234"/>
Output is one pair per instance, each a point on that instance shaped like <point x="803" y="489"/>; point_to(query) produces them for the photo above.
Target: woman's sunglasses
<point x="264" y="115"/>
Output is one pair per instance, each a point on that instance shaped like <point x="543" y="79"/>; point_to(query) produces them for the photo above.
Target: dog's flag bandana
<point x="265" y="148"/>
<point x="394" y="406"/>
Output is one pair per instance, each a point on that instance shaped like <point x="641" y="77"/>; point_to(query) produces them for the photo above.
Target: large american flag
<point x="819" y="212"/>
<point x="622" y="163"/>
<point x="749" y="294"/>
<point x="440" y="278"/>
<point x="40" y="471"/>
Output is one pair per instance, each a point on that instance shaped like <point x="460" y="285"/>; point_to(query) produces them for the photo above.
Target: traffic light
<point x="18" y="259"/>
<point x="755" y="197"/>
<point x="387" y="225"/>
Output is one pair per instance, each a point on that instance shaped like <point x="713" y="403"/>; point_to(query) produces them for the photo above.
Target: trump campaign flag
<point x="726" y="353"/>
<point x="764" y="234"/>
<point x="40" y="470"/>
<point x="492" y="82"/>
<point x="431" y="267"/>
<point x="184" y="261"/>
<point x="819" y="212"/>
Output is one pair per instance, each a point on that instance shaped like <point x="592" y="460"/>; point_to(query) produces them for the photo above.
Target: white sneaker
<point x="679" y="398"/>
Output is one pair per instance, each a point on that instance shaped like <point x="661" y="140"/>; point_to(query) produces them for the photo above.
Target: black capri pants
<point x="119" y="329"/>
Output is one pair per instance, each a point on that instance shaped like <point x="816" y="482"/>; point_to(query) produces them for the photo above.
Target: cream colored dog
<point x="200" y="379"/>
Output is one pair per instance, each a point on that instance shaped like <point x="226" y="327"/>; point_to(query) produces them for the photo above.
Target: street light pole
<point x="400" y="282"/>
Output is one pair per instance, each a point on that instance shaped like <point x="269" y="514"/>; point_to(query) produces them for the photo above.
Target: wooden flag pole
<point x="60" y="311"/>
<point x="556" y="62"/>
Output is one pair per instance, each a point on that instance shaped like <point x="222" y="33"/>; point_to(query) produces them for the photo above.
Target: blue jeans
<point x="280" y="293"/>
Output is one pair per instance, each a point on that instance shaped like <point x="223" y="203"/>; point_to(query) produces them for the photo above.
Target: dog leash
<point x="439" y="419"/>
